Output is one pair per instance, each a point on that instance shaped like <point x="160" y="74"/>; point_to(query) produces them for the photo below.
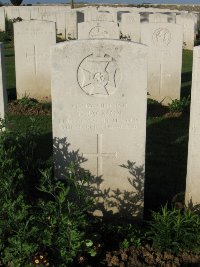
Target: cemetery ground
<point x="44" y="222"/>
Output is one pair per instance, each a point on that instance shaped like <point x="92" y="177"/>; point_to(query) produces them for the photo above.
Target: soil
<point x="146" y="257"/>
<point x="32" y="107"/>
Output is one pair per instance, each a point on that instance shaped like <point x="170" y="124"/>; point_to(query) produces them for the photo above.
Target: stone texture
<point x="33" y="40"/>
<point x="99" y="118"/>
<point x="2" y="20"/>
<point x="187" y="22"/>
<point x="130" y="26"/>
<point x="192" y="194"/>
<point x="164" y="60"/>
<point x="161" y="18"/>
<point x="72" y="20"/>
<point x="98" y="29"/>
<point x="3" y="93"/>
<point x="92" y="14"/>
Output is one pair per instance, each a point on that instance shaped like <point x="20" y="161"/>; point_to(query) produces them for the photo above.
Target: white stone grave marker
<point x="99" y="114"/>
<point x="33" y="40"/>
<point x="164" y="60"/>
<point x="192" y="195"/>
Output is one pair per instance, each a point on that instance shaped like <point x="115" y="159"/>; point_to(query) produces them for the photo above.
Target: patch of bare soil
<point x="146" y="256"/>
<point x="33" y="107"/>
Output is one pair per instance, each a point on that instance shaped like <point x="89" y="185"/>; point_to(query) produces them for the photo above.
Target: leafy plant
<point x="175" y="230"/>
<point x="182" y="105"/>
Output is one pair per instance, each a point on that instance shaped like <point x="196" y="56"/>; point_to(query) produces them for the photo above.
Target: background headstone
<point x="164" y="60"/>
<point x="187" y="22"/>
<point x="2" y="20"/>
<point x="32" y="40"/>
<point x="99" y="114"/>
<point x="130" y="26"/>
<point x="98" y="29"/>
<point x="3" y="93"/>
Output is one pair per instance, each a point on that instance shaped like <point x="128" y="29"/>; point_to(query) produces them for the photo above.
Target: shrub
<point x="38" y="212"/>
<point x="175" y="230"/>
<point x="182" y="105"/>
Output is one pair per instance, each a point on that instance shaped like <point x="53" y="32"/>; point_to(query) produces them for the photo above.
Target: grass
<point x="166" y="144"/>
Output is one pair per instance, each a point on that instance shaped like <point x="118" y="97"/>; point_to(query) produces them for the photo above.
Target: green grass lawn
<point x="166" y="144"/>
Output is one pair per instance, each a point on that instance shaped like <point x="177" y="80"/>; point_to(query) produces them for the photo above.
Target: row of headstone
<point x="33" y="40"/>
<point x="100" y="120"/>
<point x="129" y="20"/>
<point x="92" y="85"/>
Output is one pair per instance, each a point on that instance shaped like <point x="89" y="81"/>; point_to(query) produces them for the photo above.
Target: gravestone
<point x="32" y="40"/>
<point x="187" y="22"/>
<point x="2" y="20"/>
<point x="99" y="116"/>
<point x="162" y="18"/>
<point x="164" y="60"/>
<point x="192" y="195"/>
<point x="72" y="20"/>
<point x="92" y="14"/>
<point x="130" y="26"/>
<point x="25" y="12"/>
<point x="3" y="94"/>
<point x="12" y="12"/>
<point x="98" y="29"/>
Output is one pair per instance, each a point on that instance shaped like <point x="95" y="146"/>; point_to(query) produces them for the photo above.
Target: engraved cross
<point x="33" y="55"/>
<point x="100" y="155"/>
<point x="160" y="76"/>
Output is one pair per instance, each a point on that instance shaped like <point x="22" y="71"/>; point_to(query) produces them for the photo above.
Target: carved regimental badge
<point x="98" y="32"/>
<point x="161" y="37"/>
<point x="99" y="75"/>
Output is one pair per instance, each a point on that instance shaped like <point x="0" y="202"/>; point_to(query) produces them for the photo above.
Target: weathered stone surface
<point x="98" y="29"/>
<point x="130" y="26"/>
<point x="187" y="22"/>
<point x="2" y="20"/>
<point x="33" y="40"/>
<point x="164" y="60"/>
<point x="72" y="20"/>
<point x="3" y="93"/>
<point x="99" y="118"/>
<point x="192" y="194"/>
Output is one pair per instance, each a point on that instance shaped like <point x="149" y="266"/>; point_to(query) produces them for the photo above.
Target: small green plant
<point x="27" y="101"/>
<point x="182" y="105"/>
<point x="175" y="230"/>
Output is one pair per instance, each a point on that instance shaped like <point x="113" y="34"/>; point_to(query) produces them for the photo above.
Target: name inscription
<point x="98" y="117"/>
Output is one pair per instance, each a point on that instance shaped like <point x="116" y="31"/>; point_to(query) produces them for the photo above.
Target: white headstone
<point x="12" y="12"/>
<point x="161" y="18"/>
<point x="33" y="40"/>
<point x="3" y="93"/>
<point x="2" y="20"/>
<point x="98" y="29"/>
<point x="99" y="113"/>
<point x="130" y="26"/>
<point x="187" y="22"/>
<point x="94" y="15"/>
<point x="192" y="194"/>
<point x="164" y="60"/>
<point x="72" y="20"/>
<point x="25" y="12"/>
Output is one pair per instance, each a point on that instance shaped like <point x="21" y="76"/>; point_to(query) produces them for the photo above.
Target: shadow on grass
<point x="186" y="79"/>
<point x="166" y="160"/>
<point x="12" y="94"/>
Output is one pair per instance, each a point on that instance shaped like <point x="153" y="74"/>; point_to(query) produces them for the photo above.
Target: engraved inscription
<point x="98" y="32"/>
<point x="100" y="154"/>
<point x="98" y="117"/>
<point x="99" y="75"/>
<point x="162" y="36"/>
